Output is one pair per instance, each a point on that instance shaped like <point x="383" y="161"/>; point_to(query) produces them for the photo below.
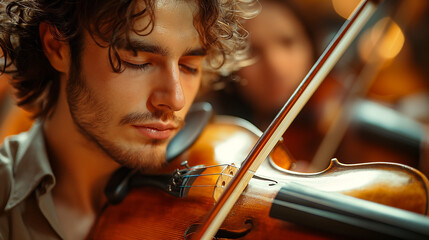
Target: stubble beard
<point x="92" y="118"/>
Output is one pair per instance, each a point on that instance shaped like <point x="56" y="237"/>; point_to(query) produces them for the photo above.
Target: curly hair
<point x="37" y="83"/>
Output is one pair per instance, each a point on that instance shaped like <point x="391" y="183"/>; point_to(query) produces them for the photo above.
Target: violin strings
<point x="197" y="186"/>
<point x="212" y="166"/>
<point x="204" y="175"/>
<point x="207" y="174"/>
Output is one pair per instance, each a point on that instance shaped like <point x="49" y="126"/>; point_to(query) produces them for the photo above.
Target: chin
<point x="144" y="164"/>
<point x="145" y="158"/>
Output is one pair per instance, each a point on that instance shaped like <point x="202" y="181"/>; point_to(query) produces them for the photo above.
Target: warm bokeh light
<point x="345" y="8"/>
<point x="386" y="36"/>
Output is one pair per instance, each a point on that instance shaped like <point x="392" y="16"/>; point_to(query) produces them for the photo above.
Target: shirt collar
<point x="31" y="165"/>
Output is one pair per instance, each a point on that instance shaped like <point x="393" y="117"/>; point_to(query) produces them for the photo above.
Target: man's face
<point x="134" y="114"/>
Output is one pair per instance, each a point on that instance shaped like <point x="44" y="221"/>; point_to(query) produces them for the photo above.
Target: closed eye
<point x="142" y="66"/>
<point x="188" y="69"/>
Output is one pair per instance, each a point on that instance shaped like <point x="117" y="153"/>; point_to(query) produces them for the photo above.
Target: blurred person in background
<point x="283" y="49"/>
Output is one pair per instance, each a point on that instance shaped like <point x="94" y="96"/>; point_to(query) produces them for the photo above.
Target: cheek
<point x="303" y="62"/>
<point x="302" y="55"/>
<point x="95" y="64"/>
<point x="190" y="90"/>
<point x="128" y="93"/>
<point x="120" y="93"/>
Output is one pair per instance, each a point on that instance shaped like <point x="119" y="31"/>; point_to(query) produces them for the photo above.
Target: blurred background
<point x="379" y="107"/>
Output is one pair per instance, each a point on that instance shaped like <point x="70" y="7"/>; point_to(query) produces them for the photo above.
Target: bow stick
<point x="287" y="114"/>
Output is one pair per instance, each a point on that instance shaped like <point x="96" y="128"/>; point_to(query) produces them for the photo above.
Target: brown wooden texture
<point x="149" y="213"/>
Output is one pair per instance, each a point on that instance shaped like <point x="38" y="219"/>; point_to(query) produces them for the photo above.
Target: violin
<point x="153" y="212"/>
<point x="255" y="198"/>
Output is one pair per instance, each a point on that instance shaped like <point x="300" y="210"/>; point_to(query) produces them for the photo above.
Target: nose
<point x="168" y="93"/>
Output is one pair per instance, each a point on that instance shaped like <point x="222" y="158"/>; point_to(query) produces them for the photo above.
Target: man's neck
<point x="81" y="170"/>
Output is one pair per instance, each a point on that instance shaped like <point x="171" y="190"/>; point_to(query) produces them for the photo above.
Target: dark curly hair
<point x="37" y="83"/>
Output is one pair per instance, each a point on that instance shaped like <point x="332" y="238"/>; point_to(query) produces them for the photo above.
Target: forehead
<point x="160" y="7"/>
<point x="173" y="22"/>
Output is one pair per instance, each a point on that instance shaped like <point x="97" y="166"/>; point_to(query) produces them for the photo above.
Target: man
<point x="110" y="83"/>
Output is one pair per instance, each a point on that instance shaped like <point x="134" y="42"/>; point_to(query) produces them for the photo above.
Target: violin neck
<point x="345" y="215"/>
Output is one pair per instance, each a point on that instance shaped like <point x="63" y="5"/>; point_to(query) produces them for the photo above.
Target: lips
<point x="156" y="130"/>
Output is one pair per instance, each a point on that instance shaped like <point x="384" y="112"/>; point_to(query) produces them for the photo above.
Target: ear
<point x="57" y="51"/>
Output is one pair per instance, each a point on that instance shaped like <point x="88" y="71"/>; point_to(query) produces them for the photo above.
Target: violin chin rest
<point x="198" y="117"/>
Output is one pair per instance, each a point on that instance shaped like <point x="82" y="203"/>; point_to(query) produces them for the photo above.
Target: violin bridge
<point x="223" y="180"/>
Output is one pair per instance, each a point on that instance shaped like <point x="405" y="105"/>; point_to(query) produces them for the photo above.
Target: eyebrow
<point x="140" y="46"/>
<point x="196" y="52"/>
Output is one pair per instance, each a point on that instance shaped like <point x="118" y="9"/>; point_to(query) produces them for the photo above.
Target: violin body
<point x="151" y="213"/>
